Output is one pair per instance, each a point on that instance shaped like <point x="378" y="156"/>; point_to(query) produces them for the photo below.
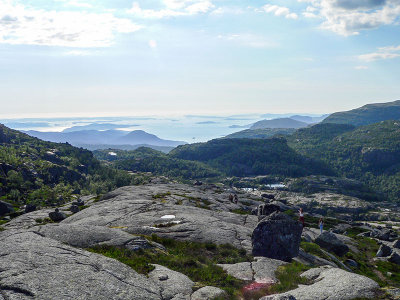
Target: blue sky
<point x="173" y="57"/>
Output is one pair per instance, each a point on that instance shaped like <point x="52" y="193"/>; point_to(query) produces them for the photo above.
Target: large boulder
<point x="331" y="284"/>
<point x="383" y="251"/>
<point x="330" y="242"/>
<point x="57" y="215"/>
<point x="395" y="257"/>
<point x="172" y="283"/>
<point x="5" y="208"/>
<point x="36" y="267"/>
<point x="277" y="236"/>
<point x="267" y="209"/>
<point x="207" y="293"/>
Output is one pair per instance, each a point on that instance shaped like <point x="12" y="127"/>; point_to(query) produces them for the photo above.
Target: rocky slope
<point x="145" y="223"/>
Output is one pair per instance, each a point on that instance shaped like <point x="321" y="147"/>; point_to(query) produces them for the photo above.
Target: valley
<point x="211" y="220"/>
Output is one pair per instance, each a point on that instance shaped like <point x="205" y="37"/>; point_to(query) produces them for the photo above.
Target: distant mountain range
<point x="367" y="114"/>
<point x="279" y="123"/>
<point x="260" y="133"/>
<point x="97" y="126"/>
<point x="85" y="138"/>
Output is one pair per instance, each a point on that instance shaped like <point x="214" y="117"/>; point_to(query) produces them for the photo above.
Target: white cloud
<point x="173" y="8"/>
<point x="280" y="11"/>
<point x="77" y="53"/>
<point x="228" y="10"/>
<point x="349" y="17"/>
<point x="382" y="53"/>
<point x="153" y="44"/>
<point x="20" y="24"/>
<point x="248" y="40"/>
<point x="78" y="3"/>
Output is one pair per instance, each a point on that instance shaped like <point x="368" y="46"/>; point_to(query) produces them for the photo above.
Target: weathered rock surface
<point x="28" y="220"/>
<point x="330" y="242"/>
<point x="312" y="260"/>
<point x="332" y="284"/>
<point x="261" y="270"/>
<point x="85" y="236"/>
<point x="207" y="293"/>
<point x="5" y="208"/>
<point x="171" y="283"/>
<point x="277" y="236"/>
<point x="266" y="209"/>
<point x="143" y="210"/>
<point x="36" y="267"/>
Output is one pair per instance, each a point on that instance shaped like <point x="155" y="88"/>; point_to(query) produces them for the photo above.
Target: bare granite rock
<point x="331" y="284"/>
<point x="261" y="270"/>
<point x="172" y="283"/>
<point x="143" y="210"/>
<point x="85" y="236"/>
<point x="207" y="293"/>
<point x="36" y="267"/>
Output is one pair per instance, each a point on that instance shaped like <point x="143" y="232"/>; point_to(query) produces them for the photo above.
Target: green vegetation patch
<point x="383" y="272"/>
<point x="196" y="260"/>
<point x="314" y="249"/>
<point x="289" y="277"/>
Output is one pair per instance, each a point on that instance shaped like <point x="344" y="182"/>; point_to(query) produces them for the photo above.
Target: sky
<point x="176" y="57"/>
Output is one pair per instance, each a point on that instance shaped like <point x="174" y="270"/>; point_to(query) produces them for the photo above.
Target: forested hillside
<point x="369" y="153"/>
<point x="35" y="171"/>
<point x="148" y="160"/>
<point x="244" y="157"/>
<point x="367" y="114"/>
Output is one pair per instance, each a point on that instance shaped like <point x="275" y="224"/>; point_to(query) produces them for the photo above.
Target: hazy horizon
<point x="163" y="57"/>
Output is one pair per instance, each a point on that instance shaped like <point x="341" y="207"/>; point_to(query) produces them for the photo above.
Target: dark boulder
<point x="5" y="208"/>
<point x="57" y="216"/>
<point x="74" y="209"/>
<point x="277" y="236"/>
<point x="396" y="244"/>
<point x="80" y="202"/>
<point x="341" y="228"/>
<point x="330" y="242"/>
<point x="383" y="251"/>
<point x="395" y="257"/>
<point x="268" y="196"/>
<point x="30" y="208"/>
<point x="383" y="234"/>
<point x="351" y="263"/>
<point x="267" y="209"/>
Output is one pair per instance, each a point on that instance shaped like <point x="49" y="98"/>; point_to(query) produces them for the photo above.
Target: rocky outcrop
<point x="277" y="236"/>
<point x="261" y="270"/>
<point x="85" y="236"/>
<point x="5" y="208"/>
<point x="156" y="209"/>
<point x="208" y="293"/>
<point x="265" y="210"/>
<point x="171" y="283"/>
<point x="331" y="243"/>
<point x="383" y="234"/>
<point x="331" y="284"/>
<point x="312" y="260"/>
<point x="36" y="267"/>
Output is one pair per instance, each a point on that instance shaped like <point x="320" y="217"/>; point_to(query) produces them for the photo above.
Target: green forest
<point x="44" y="173"/>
